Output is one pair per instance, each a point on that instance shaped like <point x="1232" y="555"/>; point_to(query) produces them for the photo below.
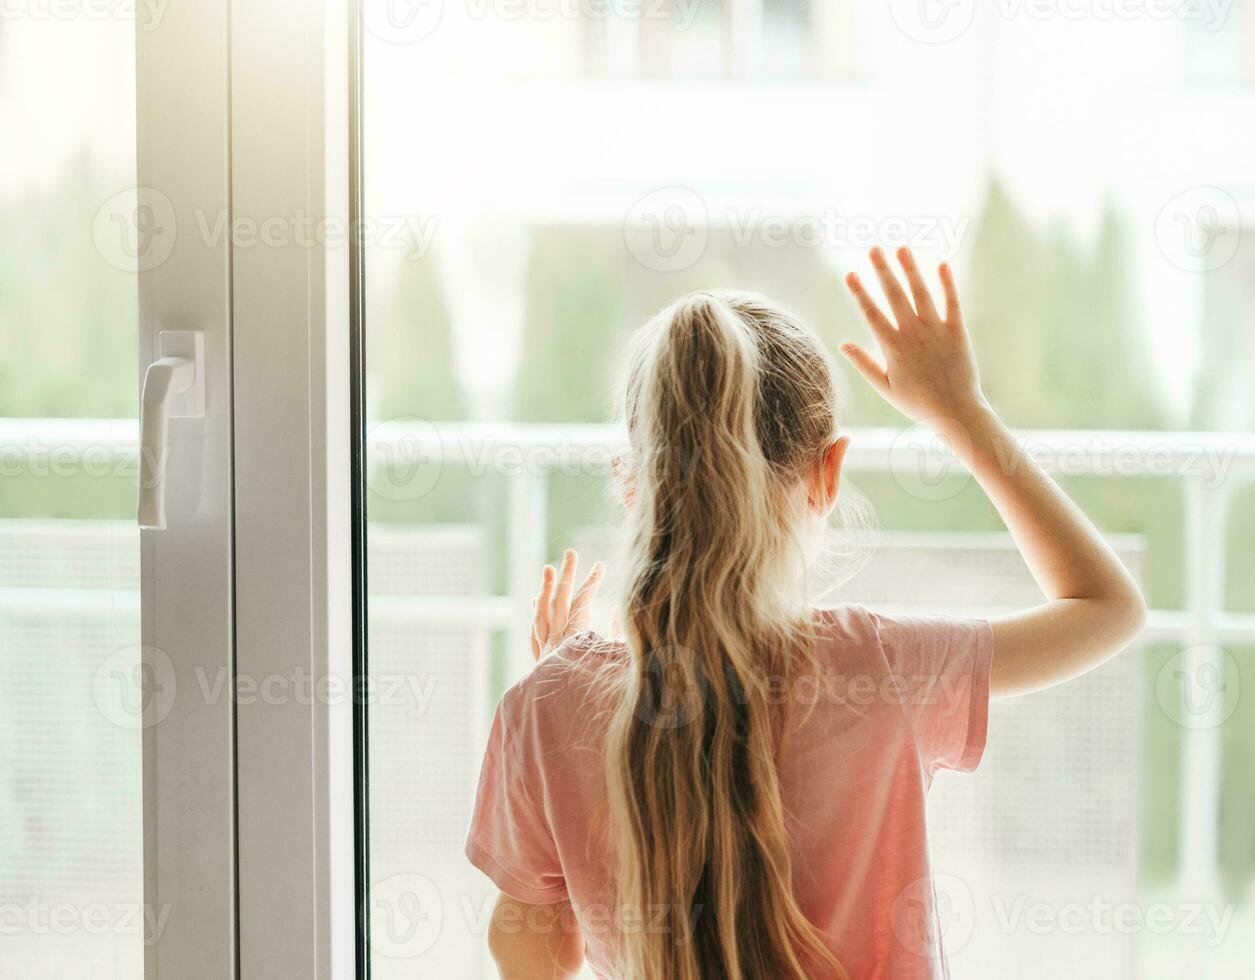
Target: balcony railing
<point x="1209" y="467"/>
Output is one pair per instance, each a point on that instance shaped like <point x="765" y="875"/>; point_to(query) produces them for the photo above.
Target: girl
<point x="737" y="790"/>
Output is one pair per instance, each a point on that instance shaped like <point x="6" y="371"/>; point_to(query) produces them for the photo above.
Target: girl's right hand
<point x="930" y="372"/>
<point x="1095" y="608"/>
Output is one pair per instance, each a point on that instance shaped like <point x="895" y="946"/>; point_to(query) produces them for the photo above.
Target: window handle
<point x="174" y="387"/>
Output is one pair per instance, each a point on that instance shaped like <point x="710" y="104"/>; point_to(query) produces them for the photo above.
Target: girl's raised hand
<point x="1095" y="607"/>
<point x="929" y="372"/>
<point x="556" y="614"/>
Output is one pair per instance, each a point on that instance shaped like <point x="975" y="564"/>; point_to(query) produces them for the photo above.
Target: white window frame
<point x="243" y="112"/>
<point x="182" y="128"/>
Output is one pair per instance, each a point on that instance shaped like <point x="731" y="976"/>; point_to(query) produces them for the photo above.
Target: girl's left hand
<point x="557" y="615"/>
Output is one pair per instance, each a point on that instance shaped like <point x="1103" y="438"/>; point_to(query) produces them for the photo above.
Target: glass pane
<point x="71" y="877"/>
<point x="542" y="177"/>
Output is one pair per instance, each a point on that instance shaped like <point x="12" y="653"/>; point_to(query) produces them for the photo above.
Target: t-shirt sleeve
<point x="940" y="667"/>
<point x="509" y="839"/>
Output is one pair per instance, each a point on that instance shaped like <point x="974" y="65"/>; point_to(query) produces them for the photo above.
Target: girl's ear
<point x="826" y="481"/>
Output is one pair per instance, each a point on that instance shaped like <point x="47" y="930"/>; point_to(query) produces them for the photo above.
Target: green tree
<point x="410" y="360"/>
<point x="412" y="375"/>
<point x="69" y="321"/>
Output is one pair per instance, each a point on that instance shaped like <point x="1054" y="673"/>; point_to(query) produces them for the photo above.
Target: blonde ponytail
<point x="726" y="400"/>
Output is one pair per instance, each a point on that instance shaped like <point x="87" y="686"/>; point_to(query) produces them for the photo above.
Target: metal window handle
<point x="173" y="388"/>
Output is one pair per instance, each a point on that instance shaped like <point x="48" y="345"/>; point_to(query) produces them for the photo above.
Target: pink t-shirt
<point x="896" y="699"/>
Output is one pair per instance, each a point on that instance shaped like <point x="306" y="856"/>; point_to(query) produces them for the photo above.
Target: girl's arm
<point x="1094" y="607"/>
<point x="535" y="942"/>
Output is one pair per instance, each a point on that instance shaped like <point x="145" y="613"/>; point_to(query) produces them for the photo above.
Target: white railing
<point x="1209" y="466"/>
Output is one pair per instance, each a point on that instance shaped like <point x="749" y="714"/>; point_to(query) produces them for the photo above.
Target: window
<point x="71" y="690"/>
<point x="535" y="179"/>
<point x="550" y="214"/>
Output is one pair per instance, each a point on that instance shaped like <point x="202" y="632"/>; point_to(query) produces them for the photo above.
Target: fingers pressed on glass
<point x="898" y="300"/>
<point x="923" y="299"/>
<point x="541" y="619"/>
<point x="561" y="610"/>
<point x="882" y="327"/>
<point x="581" y="605"/>
<point x="867" y="366"/>
<point x="953" y="313"/>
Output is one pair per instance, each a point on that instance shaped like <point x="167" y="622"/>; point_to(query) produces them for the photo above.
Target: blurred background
<point x="541" y="176"/>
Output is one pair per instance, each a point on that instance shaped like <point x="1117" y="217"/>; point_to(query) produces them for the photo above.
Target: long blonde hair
<point x="728" y="400"/>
